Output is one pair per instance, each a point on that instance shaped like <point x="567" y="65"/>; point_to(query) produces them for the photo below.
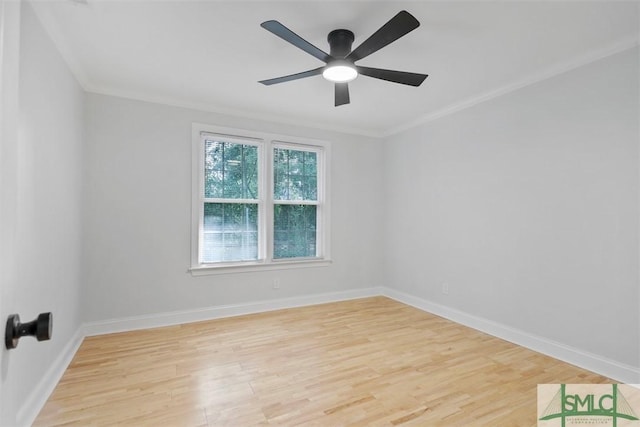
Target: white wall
<point x="138" y="198"/>
<point x="527" y="206"/>
<point x="41" y="210"/>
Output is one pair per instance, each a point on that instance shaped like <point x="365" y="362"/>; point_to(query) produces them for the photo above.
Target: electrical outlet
<point x="276" y="283"/>
<point x="445" y="288"/>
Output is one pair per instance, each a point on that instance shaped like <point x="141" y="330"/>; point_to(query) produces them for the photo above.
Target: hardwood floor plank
<point x="369" y="362"/>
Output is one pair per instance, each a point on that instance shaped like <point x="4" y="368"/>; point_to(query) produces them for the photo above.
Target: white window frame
<point x="266" y="143"/>
<point x="319" y="203"/>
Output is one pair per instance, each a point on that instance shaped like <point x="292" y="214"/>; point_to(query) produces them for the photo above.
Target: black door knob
<point x="39" y="328"/>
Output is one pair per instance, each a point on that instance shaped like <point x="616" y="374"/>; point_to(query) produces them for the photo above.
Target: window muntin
<point x="231" y="169"/>
<point x="258" y="201"/>
<point x="295" y="174"/>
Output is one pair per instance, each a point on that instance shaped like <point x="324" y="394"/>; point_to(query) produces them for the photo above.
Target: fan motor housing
<point x="340" y="42"/>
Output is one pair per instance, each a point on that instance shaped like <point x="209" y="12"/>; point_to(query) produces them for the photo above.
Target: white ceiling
<point x="211" y="54"/>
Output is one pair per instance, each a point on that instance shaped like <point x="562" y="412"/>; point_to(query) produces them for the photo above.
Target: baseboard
<point x="34" y="403"/>
<point x="209" y="313"/>
<point x="36" y="400"/>
<point x="603" y="366"/>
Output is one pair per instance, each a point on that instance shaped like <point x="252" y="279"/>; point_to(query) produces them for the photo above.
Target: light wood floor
<point x="365" y="362"/>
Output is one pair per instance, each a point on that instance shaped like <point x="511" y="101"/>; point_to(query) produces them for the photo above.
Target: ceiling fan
<point x="340" y="65"/>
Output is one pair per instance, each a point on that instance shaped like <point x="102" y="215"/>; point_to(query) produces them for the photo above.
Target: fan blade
<point x="398" y="26"/>
<point x="286" y="34"/>
<point x="342" y="94"/>
<point x="402" y="77"/>
<point x="291" y="77"/>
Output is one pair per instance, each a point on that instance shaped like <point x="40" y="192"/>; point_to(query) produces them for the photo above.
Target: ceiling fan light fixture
<point x="340" y="62"/>
<point x="340" y="72"/>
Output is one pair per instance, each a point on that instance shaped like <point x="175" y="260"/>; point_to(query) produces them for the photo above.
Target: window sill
<point x="207" y="270"/>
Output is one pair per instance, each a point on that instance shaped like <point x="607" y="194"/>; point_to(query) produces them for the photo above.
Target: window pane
<point x="230" y="232"/>
<point x="230" y="170"/>
<point x="294" y="231"/>
<point x="295" y="175"/>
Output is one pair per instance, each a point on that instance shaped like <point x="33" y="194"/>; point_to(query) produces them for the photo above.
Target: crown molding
<point x="48" y="23"/>
<point x="549" y="72"/>
<point x="555" y="70"/>
<point x="235" y="113"/>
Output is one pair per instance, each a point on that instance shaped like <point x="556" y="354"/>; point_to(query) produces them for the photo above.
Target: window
<point x="230" y="203"/>
<point x="259" y="201"/>
<point x="295" y="202"/>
